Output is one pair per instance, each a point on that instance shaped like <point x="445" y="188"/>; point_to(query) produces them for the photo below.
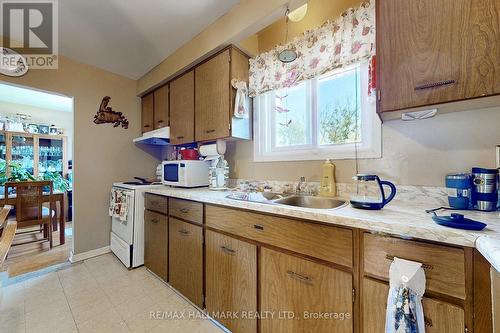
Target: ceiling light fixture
<point x="298" y="14"/>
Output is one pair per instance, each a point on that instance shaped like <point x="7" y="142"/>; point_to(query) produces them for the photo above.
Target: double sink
<point x="296" y="200"/>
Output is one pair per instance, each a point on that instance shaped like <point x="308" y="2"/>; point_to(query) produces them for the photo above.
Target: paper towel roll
<point x="218" y="148"/>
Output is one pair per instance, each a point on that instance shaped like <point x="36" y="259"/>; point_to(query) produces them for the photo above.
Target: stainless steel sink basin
<point x="311" y="202"/>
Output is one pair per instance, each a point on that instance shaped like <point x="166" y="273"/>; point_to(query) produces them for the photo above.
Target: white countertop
<point x="397" y="218"/>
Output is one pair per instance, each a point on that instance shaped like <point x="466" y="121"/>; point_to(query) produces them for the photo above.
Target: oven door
<point x="125" y="229"/>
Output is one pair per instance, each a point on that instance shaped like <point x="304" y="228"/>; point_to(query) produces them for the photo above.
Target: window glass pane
<point x="339" y="106"/>
<point x="291" y="119"/>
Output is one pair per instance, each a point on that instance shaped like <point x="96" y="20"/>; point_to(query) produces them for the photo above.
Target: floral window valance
<point x="347" y="40"/>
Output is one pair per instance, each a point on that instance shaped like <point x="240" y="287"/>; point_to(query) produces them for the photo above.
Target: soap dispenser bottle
<point x="328" y="185"/>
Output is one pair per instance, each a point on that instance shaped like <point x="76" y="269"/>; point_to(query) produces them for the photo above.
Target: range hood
<point x="159" y="137"/>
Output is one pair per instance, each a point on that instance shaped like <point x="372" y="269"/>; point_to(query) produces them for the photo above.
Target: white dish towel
<point x="405" y="313"/>
<point x="118" y="204"/>
<point x="241" y="104"/>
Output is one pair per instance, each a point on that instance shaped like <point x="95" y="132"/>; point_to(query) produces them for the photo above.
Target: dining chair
<point x="30" y="212"/>
<point x="7" y="233"/>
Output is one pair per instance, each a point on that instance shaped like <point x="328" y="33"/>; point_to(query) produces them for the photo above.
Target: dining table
<point x="57" y="196"/>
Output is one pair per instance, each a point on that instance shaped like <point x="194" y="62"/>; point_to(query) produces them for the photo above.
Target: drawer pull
<point x="210" y="131"/>
<point x="435" y="84"/>
<point x="258" y="226"/>
<point x="299" y="277"/>
<point x="424" y="266"/>
<point x="184" y="210"/>
<point x="180" y="137"/>
<point x="228" y="250"/>
<point x="428" y="322"/>
<point x="184" y="232"/>
<point x="160" y="121"/>
<point x="146" y="126"/>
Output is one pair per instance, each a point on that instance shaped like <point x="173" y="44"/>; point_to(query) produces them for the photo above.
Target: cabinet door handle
<point x="299" y="277"/>
<point x="180" y="137"/>
<point x="428" y="322"/>
<point x="184" y="232"/>
<point x="228" y="250"/>
<point x="258" y="226"/>
<point x="435" y="84"/>
<point x="155" y="220"/>
<point x="210" y="131"/>
<point x="146" y="126"/>
<point x="184" y="210"/>
<point x="424" y="266"/>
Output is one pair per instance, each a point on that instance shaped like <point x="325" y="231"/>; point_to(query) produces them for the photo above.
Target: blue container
<point x="459" y="187"/>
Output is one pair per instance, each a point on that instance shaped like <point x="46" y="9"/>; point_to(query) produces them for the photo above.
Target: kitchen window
<point x="325" y="117"/>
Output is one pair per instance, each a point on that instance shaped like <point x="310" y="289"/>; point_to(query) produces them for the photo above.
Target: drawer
<point x="324" y="242"/>
<point x="188" y="210"/>
<point x="156" y="203"/>
<point x="444" y="266"/>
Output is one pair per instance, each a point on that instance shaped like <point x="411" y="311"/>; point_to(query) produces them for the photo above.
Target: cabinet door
<point x="147" y="112"/>
<point x="182" y="109"/>
<point x="231" y="280"/>
<point x="303" y="287"/>
<point x="212" y="98"/>
<point x="440" y="317"/>
<point x="186" y="259"/>
<point x="420" y="45"/>
<point x="156" y="243"/>
<point x="161" y="107"/>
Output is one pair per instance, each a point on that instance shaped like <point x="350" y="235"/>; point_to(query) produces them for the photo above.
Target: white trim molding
<point x="89" y="254"/>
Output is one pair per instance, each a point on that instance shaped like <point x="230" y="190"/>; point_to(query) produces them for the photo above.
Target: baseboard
<point x="89" y="254"/>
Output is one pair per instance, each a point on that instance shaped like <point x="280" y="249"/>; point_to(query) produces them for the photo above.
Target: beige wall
<point x="245" y="19"/>
<point x="102" y="154"/>
<point x="413" y="153"/>
<point x="318" y="12"/>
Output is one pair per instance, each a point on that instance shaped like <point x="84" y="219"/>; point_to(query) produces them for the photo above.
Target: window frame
<point x="371" y="127"/>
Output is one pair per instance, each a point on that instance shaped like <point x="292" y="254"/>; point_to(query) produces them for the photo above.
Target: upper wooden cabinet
<point x="155" y="109"/>
<point x="161" y="107"/>
<point x="182" y="109"/>
<point x="436" y="51"/>
<point x="214" y="96"/>
<point x="147" y="112"/>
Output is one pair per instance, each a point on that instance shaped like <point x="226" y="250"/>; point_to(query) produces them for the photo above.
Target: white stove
<point x="127" y="237"/>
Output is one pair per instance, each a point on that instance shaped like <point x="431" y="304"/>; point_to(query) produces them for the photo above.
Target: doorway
<point x="36" y="144"/>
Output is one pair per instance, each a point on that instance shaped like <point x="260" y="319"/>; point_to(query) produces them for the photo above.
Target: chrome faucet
<point x="298" y="190"/>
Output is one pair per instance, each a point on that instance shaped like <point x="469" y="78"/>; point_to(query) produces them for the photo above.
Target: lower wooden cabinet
<point x="156" y="243"/>
<point x="292" y="285"/>
<point x="440" y="317"/>
<point x="186" y="259"/>
<point x="231" y="280"/>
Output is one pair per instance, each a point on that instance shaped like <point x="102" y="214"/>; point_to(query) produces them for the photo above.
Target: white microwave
<point x="185" y="173"/>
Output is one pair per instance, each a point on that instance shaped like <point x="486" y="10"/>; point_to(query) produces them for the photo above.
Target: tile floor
<point x="98" y="295"/>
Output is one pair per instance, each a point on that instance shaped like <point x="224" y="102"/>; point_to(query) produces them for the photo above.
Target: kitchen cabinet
<point x="231" y="280"/>
<point x="440" y="317"/>
<point x="436" y="51"/>
<point x="186" y="259"/>
<point x="161" y="107"/>
<point x="147" y="112"/>
<point x="155" y="109"/>
<point x="214" y="96"/>
<point x="292" y="286"/>
<point x="156" y="243"/>
<point x="182" y="109"/>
